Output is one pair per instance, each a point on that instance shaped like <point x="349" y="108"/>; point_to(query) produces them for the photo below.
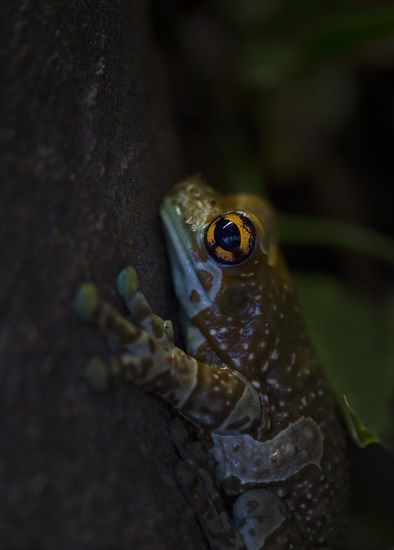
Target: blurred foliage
<point x="269" y="99"/>
<point x="323" y="232"/>
<point x="353" y="338"/>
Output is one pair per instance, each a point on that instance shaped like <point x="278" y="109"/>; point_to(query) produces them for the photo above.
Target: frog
<point x="261" y="443"/>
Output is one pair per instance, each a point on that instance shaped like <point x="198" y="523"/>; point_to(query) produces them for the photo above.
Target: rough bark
<point x="87" y="152"/>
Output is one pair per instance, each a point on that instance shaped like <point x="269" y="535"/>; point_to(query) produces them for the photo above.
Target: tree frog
<point x="262" y="446"/>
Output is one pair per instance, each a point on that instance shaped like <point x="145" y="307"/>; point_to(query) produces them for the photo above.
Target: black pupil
<point x="227" y="235"/>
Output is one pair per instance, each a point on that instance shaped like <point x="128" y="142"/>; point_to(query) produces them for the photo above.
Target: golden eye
<point x="230" y="238"/>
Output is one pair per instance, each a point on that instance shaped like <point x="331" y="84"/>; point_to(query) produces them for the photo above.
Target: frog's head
<point x="224" y="262"/>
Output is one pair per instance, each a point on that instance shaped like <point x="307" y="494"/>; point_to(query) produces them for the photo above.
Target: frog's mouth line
<point x="182" y="265"/>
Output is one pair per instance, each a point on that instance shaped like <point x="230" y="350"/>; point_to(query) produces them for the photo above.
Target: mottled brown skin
<point x="267" y="342"/>
<point x="290" y="389"/>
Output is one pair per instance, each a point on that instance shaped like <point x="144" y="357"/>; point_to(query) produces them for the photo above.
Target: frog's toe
<point x="127" y="282"/>
<point x="193" y="452"/>
<point x="86" y="302"/>
<point x="209" y="507"/>
<point x="135" y="301"/>
<point x="168" y="329"/>
<point x="178" y="433"/>
<point x="97" y="374"/>
<point x="189" y="483"/>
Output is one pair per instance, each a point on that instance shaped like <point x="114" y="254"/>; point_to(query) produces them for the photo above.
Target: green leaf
<point x="361" y="434"/>
<point x="354" y="341"/>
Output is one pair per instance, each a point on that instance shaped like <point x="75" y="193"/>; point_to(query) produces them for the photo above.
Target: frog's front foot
<point x="144" y="343"/>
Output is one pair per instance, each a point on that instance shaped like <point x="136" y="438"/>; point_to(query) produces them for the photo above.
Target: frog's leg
<point x="264" y="521"/>
<point x="261" y="520"/>
<point x="193" y="476"/>
<point x="213" y="398"/>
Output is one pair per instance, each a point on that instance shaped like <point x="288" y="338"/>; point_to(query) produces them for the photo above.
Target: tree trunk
<point x="88" y="150"/>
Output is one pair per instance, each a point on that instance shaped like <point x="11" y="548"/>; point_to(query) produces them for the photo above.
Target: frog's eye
<point x="230" y="238"/>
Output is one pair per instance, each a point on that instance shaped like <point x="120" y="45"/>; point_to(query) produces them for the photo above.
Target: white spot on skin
<point x="262" y="344"/>
<point x="251" y="356"/>
<point x="245" y="346"/>
<point x="212" y="331"/>
<point x="223" y="330"/>
<point x="274" y="354"/>
<point x="223" y="347"/>
<point x="256" y="384"/>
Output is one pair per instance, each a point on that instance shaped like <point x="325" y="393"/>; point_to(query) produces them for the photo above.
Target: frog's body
<point x="264" y="456"/>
